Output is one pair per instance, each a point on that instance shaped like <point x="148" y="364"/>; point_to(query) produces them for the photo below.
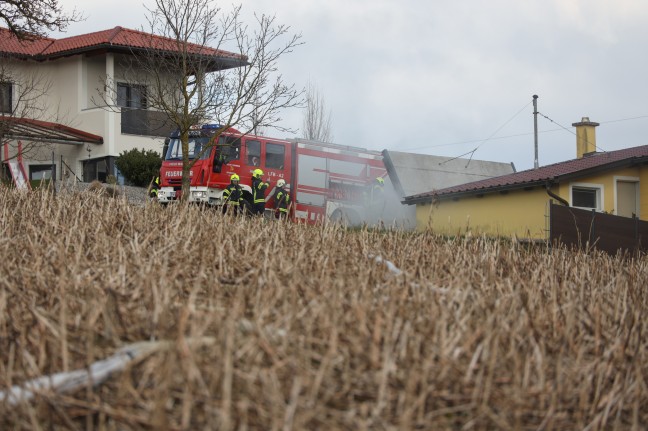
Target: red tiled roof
<point x="117" y="37"/>
<point x="554" y="172"/>
<point x="11" y="44"/>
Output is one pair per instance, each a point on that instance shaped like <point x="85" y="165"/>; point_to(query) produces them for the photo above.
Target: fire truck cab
<point x="218" y="160"/>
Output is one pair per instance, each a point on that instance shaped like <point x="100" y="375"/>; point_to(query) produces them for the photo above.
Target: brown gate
<point x="585" y="229"/>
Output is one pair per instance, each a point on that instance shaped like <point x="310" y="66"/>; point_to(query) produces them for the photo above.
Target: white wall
<point x="73" y="99"/>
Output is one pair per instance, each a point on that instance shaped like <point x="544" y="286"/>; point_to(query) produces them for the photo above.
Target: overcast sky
<point x="446" y="77"/>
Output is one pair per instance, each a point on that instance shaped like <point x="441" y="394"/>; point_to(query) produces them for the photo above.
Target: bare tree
<point x="209" y="66"/>
<point x="24" y="95"/>
<point x="29" y="19"/>
<point x="317" y="119"/>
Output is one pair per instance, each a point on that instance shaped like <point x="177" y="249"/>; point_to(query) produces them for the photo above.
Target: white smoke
<point x="388" y="213"/>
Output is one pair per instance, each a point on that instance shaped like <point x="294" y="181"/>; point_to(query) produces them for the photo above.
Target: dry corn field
<point x="239" y="324"/>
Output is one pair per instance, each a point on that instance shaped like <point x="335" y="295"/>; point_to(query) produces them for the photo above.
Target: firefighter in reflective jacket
<point x="375" y="200"/>
<point x="378" y="192"/>
<point x="281" y="199"/>
<point x="233" y="195"/>
<point x="154" y="187"/>
<point x="258" y="192"/>
<point x="375" y="194"/>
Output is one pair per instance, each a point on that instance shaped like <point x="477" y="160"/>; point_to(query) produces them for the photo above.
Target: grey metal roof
<point x="414" y="174"/>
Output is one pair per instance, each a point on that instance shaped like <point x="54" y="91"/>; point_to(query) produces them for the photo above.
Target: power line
<point x="624" y="119"/>
<point x="570" y="131"/>
<point x="479" y="140"/>
<point x="472" y="141"/>
<point x="502" y="126"/>
<point x="472" y="153"/>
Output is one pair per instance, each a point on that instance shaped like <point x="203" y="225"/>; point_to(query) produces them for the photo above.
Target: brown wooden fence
<point x="582" y="229"/>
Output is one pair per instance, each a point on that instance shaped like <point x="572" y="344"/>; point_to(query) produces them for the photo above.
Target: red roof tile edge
<point x="117" y="36"/>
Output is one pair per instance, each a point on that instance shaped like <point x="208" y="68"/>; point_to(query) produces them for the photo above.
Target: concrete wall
<point x="35" y="93"/>
<point x="93" y="74"/>
<point x="422" y="173"/>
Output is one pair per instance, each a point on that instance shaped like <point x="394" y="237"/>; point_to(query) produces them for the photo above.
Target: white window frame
<point x="592" y="186"/>
<point x="637" y="197"/>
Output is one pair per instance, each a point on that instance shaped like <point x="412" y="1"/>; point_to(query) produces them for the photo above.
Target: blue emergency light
<point x="211" y="126"/>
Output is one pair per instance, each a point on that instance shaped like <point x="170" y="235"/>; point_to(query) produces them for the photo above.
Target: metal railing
<point x="69" y="170"/>
<point x="145" y="122"/>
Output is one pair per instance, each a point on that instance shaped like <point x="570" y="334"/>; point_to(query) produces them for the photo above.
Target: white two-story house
<point x="55" y="107"/>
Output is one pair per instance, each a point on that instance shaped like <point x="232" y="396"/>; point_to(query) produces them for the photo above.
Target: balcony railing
<point x="145" y="122"/>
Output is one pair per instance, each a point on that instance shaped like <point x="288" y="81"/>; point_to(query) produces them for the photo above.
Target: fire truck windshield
<point x="196" y="145"/>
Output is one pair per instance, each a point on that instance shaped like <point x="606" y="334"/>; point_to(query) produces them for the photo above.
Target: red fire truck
<point x="326" y="181"/>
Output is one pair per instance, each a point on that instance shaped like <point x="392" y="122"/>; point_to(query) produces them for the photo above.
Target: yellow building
<point x="517" y="205"/>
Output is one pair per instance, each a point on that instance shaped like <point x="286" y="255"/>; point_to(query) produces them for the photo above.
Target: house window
<point x="275" y="154"/>
<point x="5" y="97"/>
<point x="40" y="172"/>
<point x="131" y="96"/>
<point x="586" y="197"/>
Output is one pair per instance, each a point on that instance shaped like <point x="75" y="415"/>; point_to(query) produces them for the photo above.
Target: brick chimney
<point x="585" y="137"/>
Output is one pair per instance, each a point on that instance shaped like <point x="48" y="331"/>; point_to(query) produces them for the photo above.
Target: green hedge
<point x="139" y="166"/>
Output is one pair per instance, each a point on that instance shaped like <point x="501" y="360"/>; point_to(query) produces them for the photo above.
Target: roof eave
<point x="41" y="131"/>
<point x="45" y="140"/>
<point x="227" y="61"/>
<point x="16" y="55"/>
<point x="411" y="200"/>
<point x="559" y="178"/>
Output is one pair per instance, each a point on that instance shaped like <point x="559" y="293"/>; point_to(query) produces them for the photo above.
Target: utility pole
<point x="535" y="130"/>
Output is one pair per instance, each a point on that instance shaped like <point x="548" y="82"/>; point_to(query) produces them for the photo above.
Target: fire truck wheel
<point x="346" y="217"/>
<point x="339" y="217"/>
<point x="353" y="217"/>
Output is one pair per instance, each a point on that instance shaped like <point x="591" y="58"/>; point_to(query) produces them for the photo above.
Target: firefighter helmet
<point x="257" y="173"/>
<point x="234" y="177"/>
<point x="281" y="183"/>
<point x="380" y="180"/>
